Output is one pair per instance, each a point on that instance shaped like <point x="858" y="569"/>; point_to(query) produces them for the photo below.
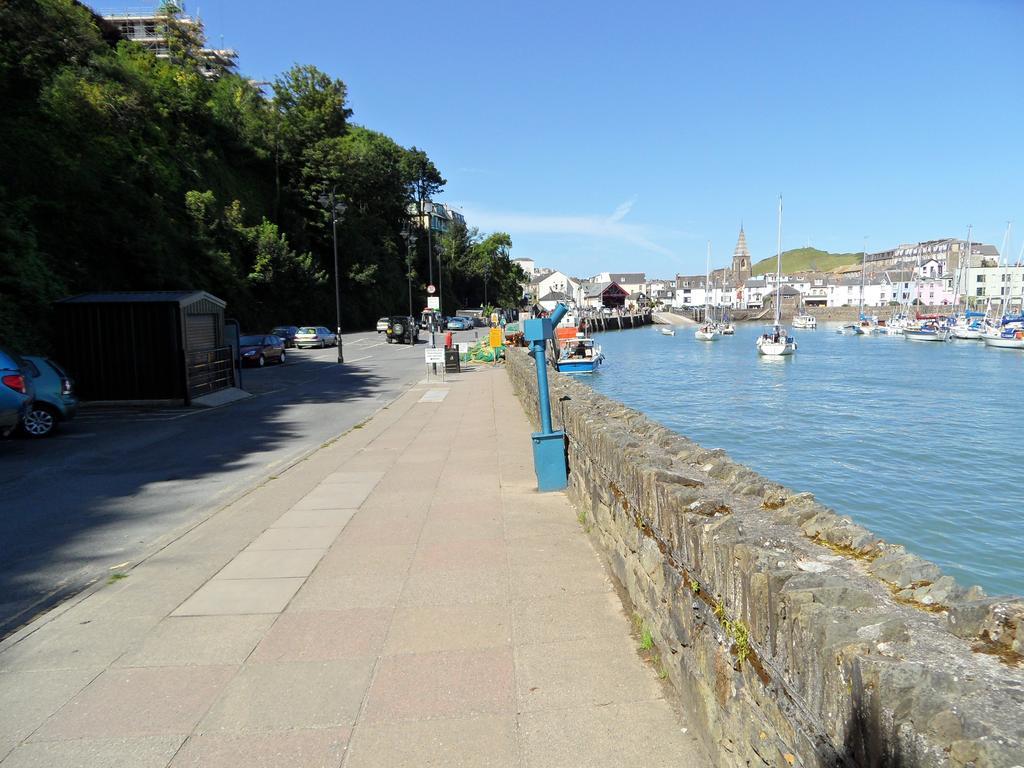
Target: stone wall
<point x="850" y="314"/>
<point x="793" y="636"/>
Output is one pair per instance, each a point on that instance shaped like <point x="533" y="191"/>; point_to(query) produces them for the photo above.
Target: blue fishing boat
<point x="579" y="355"/>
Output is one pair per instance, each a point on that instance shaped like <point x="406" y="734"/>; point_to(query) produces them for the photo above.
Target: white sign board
<point x="433" y="302"/>
<point x="464" y="347"/>
<point x="434" y="355"/>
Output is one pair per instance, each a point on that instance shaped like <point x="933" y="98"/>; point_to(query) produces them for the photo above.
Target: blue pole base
<point x="549" y="460"/>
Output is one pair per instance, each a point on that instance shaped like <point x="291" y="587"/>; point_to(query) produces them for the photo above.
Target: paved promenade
<point x="402" y="597"/>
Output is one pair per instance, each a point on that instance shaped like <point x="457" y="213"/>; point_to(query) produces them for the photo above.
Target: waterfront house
<point x="604" y="294"/>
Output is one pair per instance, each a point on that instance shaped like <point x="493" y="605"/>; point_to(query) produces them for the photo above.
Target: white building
<point x="559" y="282"/>
<point x="527" y="265"/>
<point x="631" y="282"/>
<point x="150" y="29"/>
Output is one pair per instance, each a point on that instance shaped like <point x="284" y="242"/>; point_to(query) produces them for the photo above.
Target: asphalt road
<point x="114" y="484"/>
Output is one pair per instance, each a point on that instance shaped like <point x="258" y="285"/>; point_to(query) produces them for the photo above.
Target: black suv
<point x="403" y="330"/>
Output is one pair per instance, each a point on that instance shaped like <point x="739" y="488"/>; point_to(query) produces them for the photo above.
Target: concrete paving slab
<point x="641" y="734"/>
<point x="324" y="635"/>
<point x="460" y="555"/>
<point x="28" y="698"/>
<point x="554" y="579"/>
<point x="314" y="518"/>
<point x="296" y="538"/>
<point x="383" y="559"/>
<point x="139" y="701"/>
<point x="198" y="641"/>
<point x="300" y="748"/>
<point x="71" y="642"/>
<point x="239" y="596"/>
<point x="582" y="672"/>
<point x="291" y="695"/>
<point x="455" y="587"/>
<point x="568" y="617"/>
<point x="449" y="628"/>
<point x="572" y="550"/>
<point x="144" y="752"/>
<point x="486" y="741"/>
<point x="442" y="685"/>
<point x="272" y="564"/>
<point x="369" y="530"/>
<point x="326" y="592"/>
<point x="466" y="528"/>
<point x="334" y="497"/>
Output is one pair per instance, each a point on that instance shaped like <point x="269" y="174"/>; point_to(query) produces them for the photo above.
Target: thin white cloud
<point x="610" y="227"/>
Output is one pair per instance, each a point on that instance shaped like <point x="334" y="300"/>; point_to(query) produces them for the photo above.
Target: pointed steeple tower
<point x="741" y="268"/>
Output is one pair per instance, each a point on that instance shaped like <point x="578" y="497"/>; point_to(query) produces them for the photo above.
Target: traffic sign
<point x="433" y="302"/>
<point x="431" y="289"/>
<point x="434" y="355"/>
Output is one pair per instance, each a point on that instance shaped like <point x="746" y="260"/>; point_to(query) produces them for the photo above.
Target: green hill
<point x="803" y="259"/>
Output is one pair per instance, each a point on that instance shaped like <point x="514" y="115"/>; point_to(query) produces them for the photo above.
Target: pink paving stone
<point x="323" y="635"/>
<point x="142" y="701"/>
<point x="461" y="555"/>
<point x="440" y="685"/>
<point x="303" y="748"/>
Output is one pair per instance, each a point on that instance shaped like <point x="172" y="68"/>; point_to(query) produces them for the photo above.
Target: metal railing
<point x="208" y="371"/>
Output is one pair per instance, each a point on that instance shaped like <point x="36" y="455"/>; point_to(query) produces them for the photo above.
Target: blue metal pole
<point x="544" y="403"/>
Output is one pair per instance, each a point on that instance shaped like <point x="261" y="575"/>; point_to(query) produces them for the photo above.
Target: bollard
<point x="548" y="444"/>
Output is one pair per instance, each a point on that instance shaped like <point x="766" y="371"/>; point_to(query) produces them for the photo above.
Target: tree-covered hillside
<point x="804" y="259"/>
<point x="122" y="171"/>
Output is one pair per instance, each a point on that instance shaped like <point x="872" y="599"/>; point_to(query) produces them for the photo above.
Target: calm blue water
<point x="920" y="442"/>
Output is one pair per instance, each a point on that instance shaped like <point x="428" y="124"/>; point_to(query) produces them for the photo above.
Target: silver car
<point x="315" y="336"/>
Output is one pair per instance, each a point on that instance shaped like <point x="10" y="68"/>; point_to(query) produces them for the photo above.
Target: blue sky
<point x="623" y="136"/>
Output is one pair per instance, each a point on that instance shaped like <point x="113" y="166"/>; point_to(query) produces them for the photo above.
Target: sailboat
<point x="776" y="339"/>
<point x="708" y="330"/>
<point x="970" y="324"/>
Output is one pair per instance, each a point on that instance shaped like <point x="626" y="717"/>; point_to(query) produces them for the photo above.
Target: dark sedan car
<point x="286" y="333"/>
<point x="260" y="350"/>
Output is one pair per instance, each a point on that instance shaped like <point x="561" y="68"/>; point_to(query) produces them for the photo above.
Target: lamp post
<point x="336" y="209"/>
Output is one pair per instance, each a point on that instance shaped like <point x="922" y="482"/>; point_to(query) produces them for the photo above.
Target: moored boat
<point x="578" y="355"/>
<point x="1008" y="335"/>
<point x="804" y="320"/>
<point x="668" y="331"/>
<point x="707" y="332"/>
<point x="776" y="341"/>
<point x="728" y="329"/>
<point x="928" y="331"/>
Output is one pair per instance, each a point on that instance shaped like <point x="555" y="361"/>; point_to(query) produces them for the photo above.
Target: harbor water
<point x="921" y="442"/>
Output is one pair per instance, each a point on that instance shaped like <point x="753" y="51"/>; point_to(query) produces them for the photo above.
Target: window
<point x="981" y="279"/>
<point x="981" y="292"/>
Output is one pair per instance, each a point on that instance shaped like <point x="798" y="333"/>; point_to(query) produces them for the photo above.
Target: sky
<point x="625" y="136"/>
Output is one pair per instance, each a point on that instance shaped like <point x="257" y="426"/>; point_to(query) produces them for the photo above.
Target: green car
<point x="55" y="400"/>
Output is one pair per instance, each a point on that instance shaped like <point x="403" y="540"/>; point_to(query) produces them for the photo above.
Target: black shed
<point x="154" y="345"/>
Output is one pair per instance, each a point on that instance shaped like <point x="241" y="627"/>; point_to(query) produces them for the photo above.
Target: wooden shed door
<point x="200" y="332"/>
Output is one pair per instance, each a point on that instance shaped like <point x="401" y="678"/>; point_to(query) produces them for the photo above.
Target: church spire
<point x="741" y="259"/>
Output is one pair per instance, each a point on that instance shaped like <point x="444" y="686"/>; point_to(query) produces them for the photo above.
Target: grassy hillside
<point x="803" y="259"/>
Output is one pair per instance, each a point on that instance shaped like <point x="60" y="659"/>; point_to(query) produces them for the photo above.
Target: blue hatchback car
<point x="55" y="401"/>
<point x="16" y="391"/>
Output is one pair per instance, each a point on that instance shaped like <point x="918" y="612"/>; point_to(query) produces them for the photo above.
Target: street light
<point x="336" y="209"/>
<point x="410" y="242"/>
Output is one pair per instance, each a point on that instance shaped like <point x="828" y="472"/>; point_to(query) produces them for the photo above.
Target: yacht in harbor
<point x="1009" y="334"/>
<point x="708" y="330"/>
<point x="803" y="320"/>
<point x="776" y="341"/>
<point x="927" y="328"/>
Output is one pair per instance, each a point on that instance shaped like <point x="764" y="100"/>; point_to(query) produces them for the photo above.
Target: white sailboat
<point x="708" y="331"/>
<point x="776" y="340"/>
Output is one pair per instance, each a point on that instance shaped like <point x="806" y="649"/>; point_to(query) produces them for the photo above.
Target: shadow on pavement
<point x="73" y="507"/>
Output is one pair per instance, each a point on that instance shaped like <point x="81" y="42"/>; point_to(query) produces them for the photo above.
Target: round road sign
<point x="431" y="289"/>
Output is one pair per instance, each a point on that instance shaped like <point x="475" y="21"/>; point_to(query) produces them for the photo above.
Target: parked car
<point x="382" y="325"/>
<point x="315" y="336"/>
<point x="55" y="401"/>
<point x="286" y="333"/>
<point x="17" y="391"/>
<point x="460" y="324"/>
<point x="260" y="350"/>
<point x="403" y="329"/>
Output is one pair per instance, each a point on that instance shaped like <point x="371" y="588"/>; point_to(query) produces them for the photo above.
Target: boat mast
<point x="967" y="274"/>
<point x="778" y="268"/>
<point x="863" y="270"/>
<point x="707" y="283"/>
